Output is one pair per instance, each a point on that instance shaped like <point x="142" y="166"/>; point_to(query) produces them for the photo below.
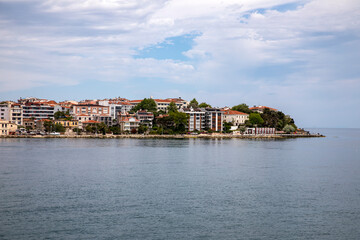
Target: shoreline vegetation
<point x="176" y="136"/>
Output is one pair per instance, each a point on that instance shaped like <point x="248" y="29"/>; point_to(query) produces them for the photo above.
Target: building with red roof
<point x="235" y="117"/>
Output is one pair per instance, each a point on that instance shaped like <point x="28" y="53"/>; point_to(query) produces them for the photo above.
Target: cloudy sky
<point x="302" y="57"/>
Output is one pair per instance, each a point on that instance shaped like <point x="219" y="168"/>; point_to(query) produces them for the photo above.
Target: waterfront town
<point x="121" y="116"/>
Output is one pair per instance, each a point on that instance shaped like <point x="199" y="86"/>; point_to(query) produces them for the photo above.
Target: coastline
<point x="185" y="136"/>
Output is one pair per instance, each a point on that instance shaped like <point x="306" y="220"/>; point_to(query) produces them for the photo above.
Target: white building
<point x="235" y="117"/>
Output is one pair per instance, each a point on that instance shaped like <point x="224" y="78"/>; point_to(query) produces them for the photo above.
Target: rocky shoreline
<point x="140" y="136"/>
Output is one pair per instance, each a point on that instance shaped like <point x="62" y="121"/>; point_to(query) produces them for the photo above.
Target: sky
<point x="301" y="57"/>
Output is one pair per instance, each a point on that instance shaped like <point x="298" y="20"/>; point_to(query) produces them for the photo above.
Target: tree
<point x="146" y="104"/>
<point x="180" y="121"/>
<point x="115" y="129"/>
<point x="242" y="129"/>
<point x="288" y="128"/>
<point x="49" y="126"/>
<point x="59" y="115"/>
<point x="193" y="103"/>
<point x="255" y="119"/>
<point x="227" y="127"/>
<point x="175" y="122"/>
<point x="172" y="107"/>
<point x="204" y="105"/>
<point x="142" y="128"/>
<point x="59" y="127"/>
<point x="241" y="108"/>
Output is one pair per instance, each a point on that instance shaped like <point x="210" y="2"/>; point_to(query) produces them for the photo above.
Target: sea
<point x="303" y="188"/>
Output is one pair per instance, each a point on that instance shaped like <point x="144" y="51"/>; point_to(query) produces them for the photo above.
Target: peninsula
<point x="146" y="118"/>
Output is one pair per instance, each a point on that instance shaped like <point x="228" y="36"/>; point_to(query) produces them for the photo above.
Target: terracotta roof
<point x="127" y="119"/>
<point x="44" y="120"/>
<point x="91" y="121"/>
<point x="232" y="112"/>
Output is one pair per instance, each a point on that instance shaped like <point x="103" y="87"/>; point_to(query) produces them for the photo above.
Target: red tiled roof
<point x="44" y="120"/>
<point x="232" y="112"/>
<point x="127" y="119"/>
<point x="91" y="121"/>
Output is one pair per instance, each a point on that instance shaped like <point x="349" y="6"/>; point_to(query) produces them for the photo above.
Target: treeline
<point x="269" y="118"/>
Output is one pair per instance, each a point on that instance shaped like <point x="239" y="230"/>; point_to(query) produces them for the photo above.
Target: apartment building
<point x="38" y="110"/>
<point x="5" y="111"/>
<point x="145" y="117"/>
<point x="129" y="124"/>
<point x="197" y="118"/>
<point x="214" y="118"/>
<point x="90" y="109"/>
<point x="117" y="106"/>
<point x="16" y="113"/>
<point x="88" y="112"/>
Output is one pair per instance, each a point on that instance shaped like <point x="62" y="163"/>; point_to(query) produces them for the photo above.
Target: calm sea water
<point x="181" y="189"/>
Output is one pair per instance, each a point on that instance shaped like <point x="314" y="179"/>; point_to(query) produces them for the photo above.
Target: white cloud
<point x="316" y="43"/>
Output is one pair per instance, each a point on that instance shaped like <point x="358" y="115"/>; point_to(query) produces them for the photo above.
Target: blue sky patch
<point x="170" y="48"/>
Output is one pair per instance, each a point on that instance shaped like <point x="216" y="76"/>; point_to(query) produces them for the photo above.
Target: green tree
<point x="241" y="108"/>
<point x="59" y="127"/>
<point x="193" y="103"/>
<point x="146" y="104"/>
<point x="227" y="127"/>
<point x="204" y="105"/>
<point x="255" y="119"/>
<point x="142" y="128"/>
<point x="172" y="107"/>
<point x="180" y="121"/>
<point x="288" y="128"/>
<point x="49" y="126"/>
<point x="59" y="115"/>
<point x="115" y="129"/>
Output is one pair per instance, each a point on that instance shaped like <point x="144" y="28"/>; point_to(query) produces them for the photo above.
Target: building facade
<point x="39" y="110"/>
<point x="197" y="119"/>
<point x="235" y="117"/>
<point x="7" y="127"/>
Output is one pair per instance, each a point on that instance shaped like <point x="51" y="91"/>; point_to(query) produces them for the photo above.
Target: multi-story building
<point x="129" y="124"/>
<point x="235" y="117"/>
<point x="39" y="110"/>
<point x="91" y="112"/>
<point x="16" y="114"/>
<point x="116" y="106"/>
<point x="163" y="104"/>
<point x="214" y="119"/>
<point x="5" y="111"/>
<point x="204" y="118"/>
<point x="7" y="127"/>
<point x="197" y="118"/>
<point x="90" y="109"/>
<point x="145" y="117"/>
